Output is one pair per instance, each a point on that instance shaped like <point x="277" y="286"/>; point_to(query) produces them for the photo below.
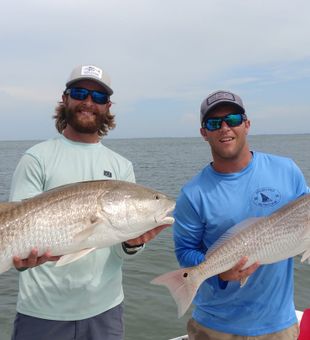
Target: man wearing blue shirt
<point x="237" y="184"/>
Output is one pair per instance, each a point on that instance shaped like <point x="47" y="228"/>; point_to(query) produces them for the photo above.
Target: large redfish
<point x="76" y="219"/>
<point x="283" y="234"/>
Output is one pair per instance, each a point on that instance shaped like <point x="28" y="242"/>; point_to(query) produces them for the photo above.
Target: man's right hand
<point x="238" y="273"/>
<point x="33" y="260"/>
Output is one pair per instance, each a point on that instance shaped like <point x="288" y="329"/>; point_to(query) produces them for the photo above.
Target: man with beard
<point x="82" y="300"/>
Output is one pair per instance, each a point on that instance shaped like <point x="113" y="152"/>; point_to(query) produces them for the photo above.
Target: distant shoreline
<point x="148" y="138"/>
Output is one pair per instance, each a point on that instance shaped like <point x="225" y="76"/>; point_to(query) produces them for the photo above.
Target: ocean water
<point x="164" y="164"/>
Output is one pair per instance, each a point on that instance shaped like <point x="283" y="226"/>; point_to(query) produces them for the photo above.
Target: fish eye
<point x="156" y="196"/>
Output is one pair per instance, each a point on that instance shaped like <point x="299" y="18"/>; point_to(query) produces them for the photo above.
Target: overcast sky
<point x="163" y="56"/>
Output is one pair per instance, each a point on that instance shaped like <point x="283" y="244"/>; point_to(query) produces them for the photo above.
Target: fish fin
<point x="306" y="256"/>
<point x="182" y="286"/>
<point x="232" y="232"/>
<point x="83" y="235"/>
<point x="89" y="231"/>
<point x="69" y="258"/>
<point x="244" y="281"/>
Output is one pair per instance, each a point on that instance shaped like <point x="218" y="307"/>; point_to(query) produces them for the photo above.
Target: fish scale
<point x="78" y="218"/>
<point x="283" y="234"/>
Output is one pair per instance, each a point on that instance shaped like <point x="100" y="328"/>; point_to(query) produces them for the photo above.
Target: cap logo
<point x="219" y="96"/>
<point x="92" y="71"/>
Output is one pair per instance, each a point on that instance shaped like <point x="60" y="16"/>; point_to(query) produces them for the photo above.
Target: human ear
<point x="247" y="126"/>
<point x="64" y="98"/>
<point x="204" y="134"/>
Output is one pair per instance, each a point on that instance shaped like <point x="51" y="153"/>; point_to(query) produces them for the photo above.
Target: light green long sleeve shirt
<point x="92" y="284"/>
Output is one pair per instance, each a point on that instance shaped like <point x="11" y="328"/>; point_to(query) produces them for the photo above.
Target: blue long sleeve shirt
<point x="208" y="206"/>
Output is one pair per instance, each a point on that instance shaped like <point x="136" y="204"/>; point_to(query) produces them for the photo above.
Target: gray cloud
<point x="153" y="50"/>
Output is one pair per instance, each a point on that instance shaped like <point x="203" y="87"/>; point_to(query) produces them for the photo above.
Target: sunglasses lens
<point x="213" y="124"/>
<point x="234" y="119"/>
<point x="100" y="97"/>
<point x="78" y="94"/>
<point x="81" y="94"/>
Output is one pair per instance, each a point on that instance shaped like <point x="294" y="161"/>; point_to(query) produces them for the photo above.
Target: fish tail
<point x="182" y="285"/>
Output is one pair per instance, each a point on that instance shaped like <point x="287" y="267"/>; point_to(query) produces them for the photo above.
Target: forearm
<point x="188" y="257"/>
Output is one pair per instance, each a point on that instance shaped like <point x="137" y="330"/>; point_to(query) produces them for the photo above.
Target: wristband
<point x="21" y="269"/>
<point x="130" y="250"/>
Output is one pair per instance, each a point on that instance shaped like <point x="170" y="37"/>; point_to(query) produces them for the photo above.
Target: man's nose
<point x="224" y="126"/>
<point x="88" y="99"/>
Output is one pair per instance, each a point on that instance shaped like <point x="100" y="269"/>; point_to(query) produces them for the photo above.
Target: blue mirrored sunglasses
<point x="79" y="93"/>
<point x="232" y="120"/>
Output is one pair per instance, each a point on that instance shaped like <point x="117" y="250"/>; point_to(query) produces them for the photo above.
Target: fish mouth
<point x="165" y="217"/>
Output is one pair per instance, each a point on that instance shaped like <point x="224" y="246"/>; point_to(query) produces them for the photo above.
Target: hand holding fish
<point x="237" y="273"/>
<point x="75" y="219"/>
<point x="148" y="236"/>
<point x="33" y="260"/>
<point x="265" y="240"/>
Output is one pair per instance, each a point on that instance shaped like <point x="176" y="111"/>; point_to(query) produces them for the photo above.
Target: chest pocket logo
<point x="107" y="173"/>
<point x="264" y="197"/>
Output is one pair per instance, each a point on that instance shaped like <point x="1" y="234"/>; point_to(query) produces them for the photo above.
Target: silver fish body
<point x="282" y="235"/>
<point x="77" y="218"/>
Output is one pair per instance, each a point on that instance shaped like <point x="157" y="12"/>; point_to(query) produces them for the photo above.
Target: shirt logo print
<point x="266" y="197"/>
<point x="107" y="173"/>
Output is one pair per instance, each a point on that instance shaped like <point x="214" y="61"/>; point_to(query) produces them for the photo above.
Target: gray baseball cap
<point x="90" y="72"/>
<point x="219" y="97"/>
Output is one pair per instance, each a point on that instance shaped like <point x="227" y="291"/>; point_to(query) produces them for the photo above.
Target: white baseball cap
<point x="90" y="72"/>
